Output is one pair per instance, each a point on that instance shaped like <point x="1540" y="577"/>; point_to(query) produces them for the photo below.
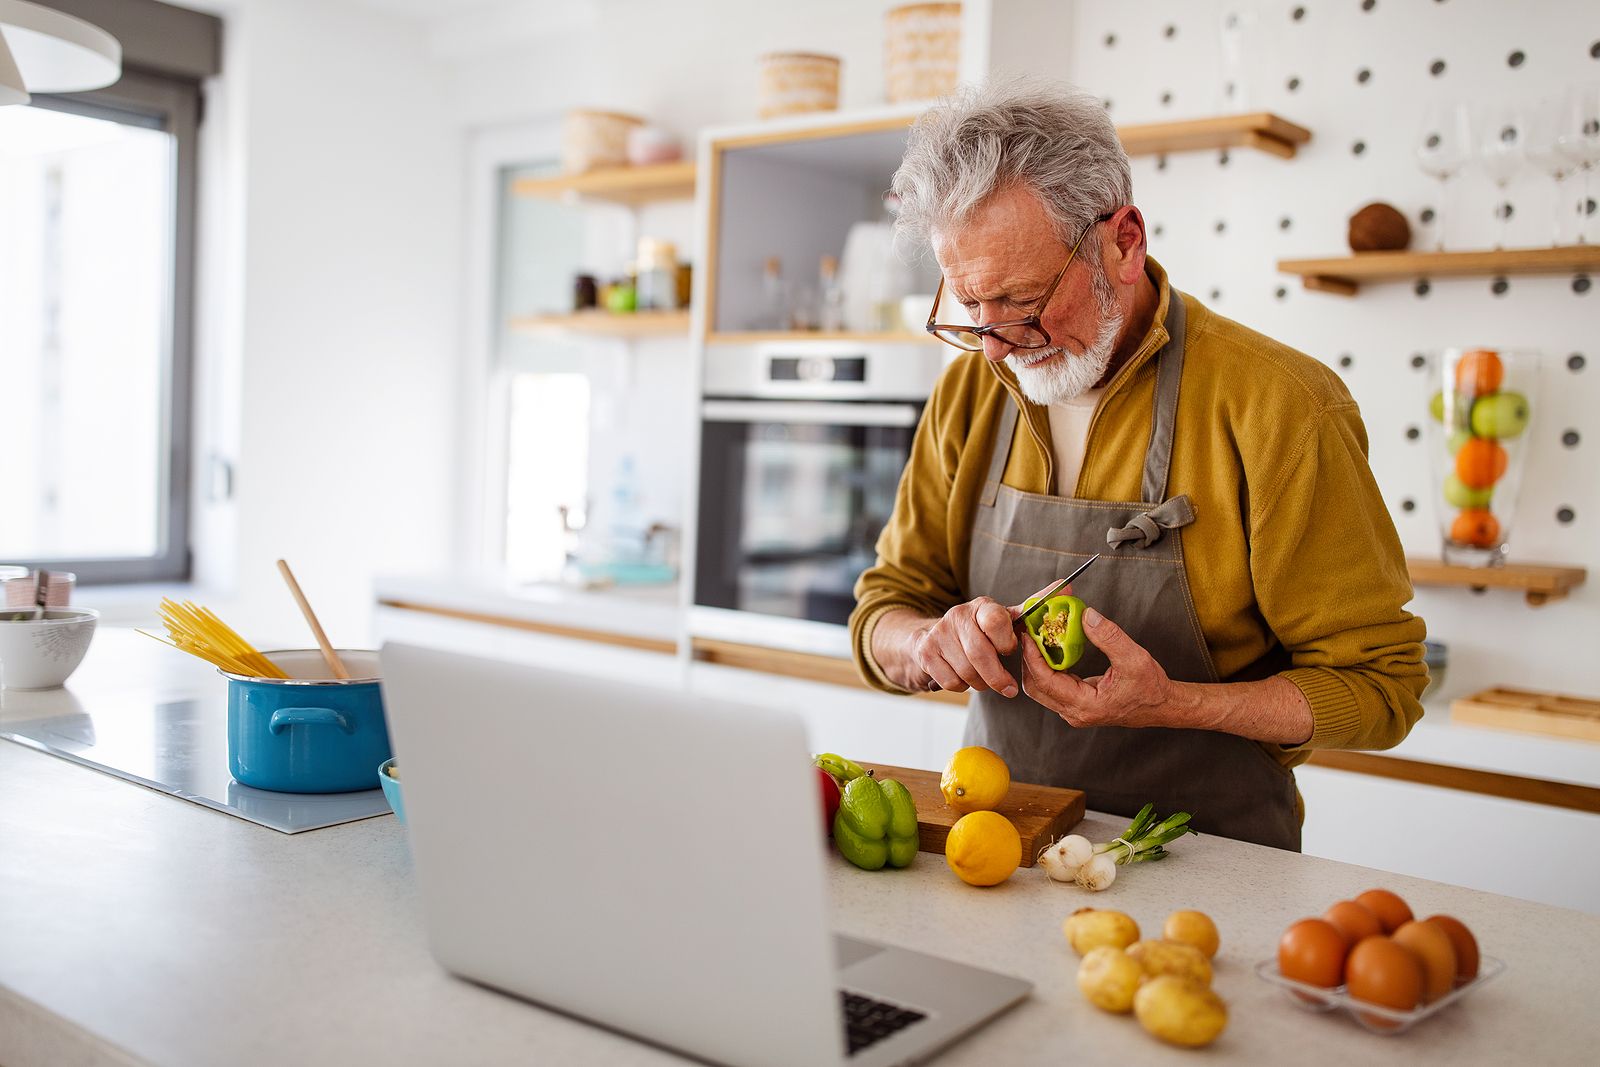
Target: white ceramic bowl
<point x="42" y="653"/>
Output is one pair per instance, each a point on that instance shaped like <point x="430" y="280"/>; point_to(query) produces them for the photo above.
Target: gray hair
<point x="1049" y="137"/>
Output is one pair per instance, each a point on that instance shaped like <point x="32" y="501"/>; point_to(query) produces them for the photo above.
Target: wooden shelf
<point x="1261" y="130"/>
<point x="606" y="324"/>
<point x="750" y="337"/>
<point x="1540" y="582"/>
<point x="1344" y="274"/>
<point x="622" y="185"/>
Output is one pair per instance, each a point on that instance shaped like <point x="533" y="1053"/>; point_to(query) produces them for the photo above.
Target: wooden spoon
<point x="335" y="664"/>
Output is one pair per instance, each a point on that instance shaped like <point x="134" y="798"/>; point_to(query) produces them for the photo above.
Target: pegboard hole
<point x="1285" y="223"/>
<point x="1500" y="287"/>
<point x="1413" y="433"/>
<point x="1346" y="361"/>
<point x="1436" y="68"/>
<point x="1169" y="31"/>
<point x="1408" y="505"/>
<point x="1514" y="60"/>
<point x="1161" y="162"/>
<point x="1571" y="438"/>
<point x="1158" y="230"/>
<point x="1575" y="362"/>
<point x="1298" y="13"/>
<point x="1422" y="287"/>
<point x="1426" y="216"/>
<point x="1281" y="293"/>
<point x="1166" y="97"/>
<point x="1293" y="83"/>
<point x="1111" y="40"/>
<point x="1222" y="158"/>
<point x="1580" y="284"/>
<point x="1565" y="515"/>
<point x="1363" y="76"/>
<point x="1504" y="210"/>
<point x="1419" y="361"/>
<point x="1358" y="148"/>
<point x="1220" y="226"/>
<point x="1368" y="5"/>
<point x="1216" y="295"/>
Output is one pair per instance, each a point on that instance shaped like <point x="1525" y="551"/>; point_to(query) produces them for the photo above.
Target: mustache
<point x="1032" y="358"/>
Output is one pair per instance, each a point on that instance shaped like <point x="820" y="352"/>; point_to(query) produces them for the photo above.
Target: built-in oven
<point x="801" y="452"/>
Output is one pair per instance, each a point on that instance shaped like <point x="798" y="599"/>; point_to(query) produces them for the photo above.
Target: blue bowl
<point x="391" y="789"/>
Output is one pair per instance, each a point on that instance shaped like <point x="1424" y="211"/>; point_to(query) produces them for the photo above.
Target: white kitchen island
<point x="136" y="927"/>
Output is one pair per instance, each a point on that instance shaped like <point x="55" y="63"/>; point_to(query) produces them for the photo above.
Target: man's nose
<point x="995" y="349"/>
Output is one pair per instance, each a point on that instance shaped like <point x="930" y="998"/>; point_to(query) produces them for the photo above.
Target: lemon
<point x="983" y="848"/>
<point x="975" y="779"/>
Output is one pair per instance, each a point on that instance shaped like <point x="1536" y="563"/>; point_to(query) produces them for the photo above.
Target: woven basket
<point x="922" y="51"/>
<point x="591" y="140"/>
<point x="793" y="83"/>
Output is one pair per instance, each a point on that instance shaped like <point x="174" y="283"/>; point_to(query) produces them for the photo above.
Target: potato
<point x="1174" y="958"/>
<point x="1089" y="928"/>
<point x="1193" y="928"/>
<point x="1180" y="1011"/>
<point x="1108" y="978"/>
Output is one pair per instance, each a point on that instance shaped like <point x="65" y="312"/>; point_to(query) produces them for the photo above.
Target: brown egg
<point x="1353" y="920"/>
<point x="1313" y="951"/>
<point x="1379" y="971"/>
<point x="1463" y="942"/>
<point x="1432" y="946"/>
<point x="1391" y="911"/>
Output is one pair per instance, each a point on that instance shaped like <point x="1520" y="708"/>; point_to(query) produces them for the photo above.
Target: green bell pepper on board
<point x="876" y="824"/>
<point x="1056" y="626"/>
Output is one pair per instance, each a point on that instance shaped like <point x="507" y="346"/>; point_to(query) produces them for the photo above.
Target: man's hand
<point x="958" y="651"/>
<point x="1134" y="690"/>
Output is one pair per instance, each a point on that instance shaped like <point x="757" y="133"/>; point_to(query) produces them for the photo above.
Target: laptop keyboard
<point x="868" y="1021"/>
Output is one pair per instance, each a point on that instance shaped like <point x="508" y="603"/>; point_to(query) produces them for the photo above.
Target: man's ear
<point x="1125" y="252"/>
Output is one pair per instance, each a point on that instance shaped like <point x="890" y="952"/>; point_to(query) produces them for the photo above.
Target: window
<point x="96" y="252"/>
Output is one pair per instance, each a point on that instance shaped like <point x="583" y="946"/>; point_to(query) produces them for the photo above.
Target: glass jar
<point x="1482" y="405"/>
<point x="658" y="275"/>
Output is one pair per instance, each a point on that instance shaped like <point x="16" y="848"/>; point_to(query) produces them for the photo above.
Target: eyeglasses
<point x="1018" y="333"/>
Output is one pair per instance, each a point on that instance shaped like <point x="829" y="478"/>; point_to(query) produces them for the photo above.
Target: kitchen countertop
<point x="137" y="927"/>
<point x="657" y="612"/>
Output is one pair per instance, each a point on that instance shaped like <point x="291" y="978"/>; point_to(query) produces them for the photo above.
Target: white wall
<point x="330" y="310"/>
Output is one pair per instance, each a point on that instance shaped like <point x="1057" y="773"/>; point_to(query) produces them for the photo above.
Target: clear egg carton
<point x="1375" y="1017"/>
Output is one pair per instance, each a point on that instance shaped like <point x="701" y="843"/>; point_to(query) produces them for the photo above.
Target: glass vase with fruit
<point x="1481" y="406"/>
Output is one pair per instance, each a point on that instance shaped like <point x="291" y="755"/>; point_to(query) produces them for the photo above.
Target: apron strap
<point x="1146" y="529"/>
<point x="1169" y="373"/>
<point x="1002" y="453"/>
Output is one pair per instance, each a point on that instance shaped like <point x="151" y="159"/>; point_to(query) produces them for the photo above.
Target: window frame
<point x="172" y="105"/>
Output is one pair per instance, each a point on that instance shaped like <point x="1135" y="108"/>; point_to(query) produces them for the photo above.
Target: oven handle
<point x="811" y="412"/>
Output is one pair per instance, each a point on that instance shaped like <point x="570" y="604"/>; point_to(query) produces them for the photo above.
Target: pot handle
<point x="284" y="718"/>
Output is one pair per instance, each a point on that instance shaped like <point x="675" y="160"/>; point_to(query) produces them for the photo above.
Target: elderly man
<point x="1249" y="605"/>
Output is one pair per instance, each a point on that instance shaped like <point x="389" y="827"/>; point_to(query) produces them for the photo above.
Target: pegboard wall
<point x="1359" y="74"/>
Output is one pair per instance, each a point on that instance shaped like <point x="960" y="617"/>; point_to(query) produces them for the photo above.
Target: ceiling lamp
<point x="43" y="50"/>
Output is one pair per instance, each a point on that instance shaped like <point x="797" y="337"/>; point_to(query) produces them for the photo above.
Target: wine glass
<point x="1502" y="152"/>
<point x="1547" y="151"/>
<point x="1580" y="142"/>
<point x="1444" y="145"/>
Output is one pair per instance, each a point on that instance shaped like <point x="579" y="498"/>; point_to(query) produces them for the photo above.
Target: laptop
<point x="653" y="862"/>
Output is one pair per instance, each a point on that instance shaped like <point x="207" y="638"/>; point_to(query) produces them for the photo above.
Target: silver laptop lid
<point x="646" y="859"/>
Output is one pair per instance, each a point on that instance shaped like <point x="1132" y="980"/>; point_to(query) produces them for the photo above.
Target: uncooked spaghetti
<point x="197" y="631"/>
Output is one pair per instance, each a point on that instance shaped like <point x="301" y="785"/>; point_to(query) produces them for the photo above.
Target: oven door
<point x="793" y="494"/>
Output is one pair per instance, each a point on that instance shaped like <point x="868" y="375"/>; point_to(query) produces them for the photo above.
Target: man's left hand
<point x="1134" y="690"/>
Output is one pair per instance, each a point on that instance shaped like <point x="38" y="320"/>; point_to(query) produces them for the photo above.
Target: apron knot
<point x="1146" y="529"/>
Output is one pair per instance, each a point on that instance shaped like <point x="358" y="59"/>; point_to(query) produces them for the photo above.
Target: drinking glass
<point x="1444" y="145"/>
<point x="1502" y="152"/>
<point x="1547" y="151"/>
<point x="1580" y="142"/>
<point x="1482" y="404"/>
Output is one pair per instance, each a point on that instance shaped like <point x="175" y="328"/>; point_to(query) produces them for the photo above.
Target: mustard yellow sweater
<point x="1292" y="544"/>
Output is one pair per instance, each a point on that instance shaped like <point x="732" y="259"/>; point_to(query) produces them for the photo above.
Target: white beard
<point x="1069" y="377"/>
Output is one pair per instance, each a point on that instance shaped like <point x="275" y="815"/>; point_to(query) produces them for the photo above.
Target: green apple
<point x="1457" y="439"/>
<point x="1500" y="415"/>
<point x="1436" y="406"/>
<point x="1460" y="495"/>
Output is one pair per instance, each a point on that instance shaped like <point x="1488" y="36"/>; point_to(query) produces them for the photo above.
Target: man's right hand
<point x="958" y="651"/>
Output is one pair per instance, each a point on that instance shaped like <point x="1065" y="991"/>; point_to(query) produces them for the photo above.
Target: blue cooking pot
<point x="311" y="733"/>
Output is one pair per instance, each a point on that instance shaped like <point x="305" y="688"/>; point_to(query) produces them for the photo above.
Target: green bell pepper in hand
<point x="876" y="824"/>
<point x="1056" y="626"/>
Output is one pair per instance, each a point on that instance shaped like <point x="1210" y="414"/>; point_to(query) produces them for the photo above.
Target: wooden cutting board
<point x="1040" y="813"/>
<point x="1529" y="711"/>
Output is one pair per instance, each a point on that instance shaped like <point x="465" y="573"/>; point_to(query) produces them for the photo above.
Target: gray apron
<point x="1023" y="541"/>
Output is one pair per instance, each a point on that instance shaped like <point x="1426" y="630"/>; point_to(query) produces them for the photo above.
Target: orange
<point x="1479" y="372"/>
<point x="1476" y="527"/>
<point x="1480" y="463"/>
